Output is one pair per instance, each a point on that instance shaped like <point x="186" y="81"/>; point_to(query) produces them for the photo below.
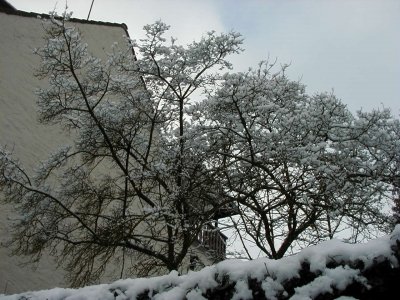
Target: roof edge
<point x="47" y="16"/>
<point x="7" y="6"/>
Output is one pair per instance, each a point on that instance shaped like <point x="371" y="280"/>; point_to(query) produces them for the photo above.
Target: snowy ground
<point x="272" y="274"/>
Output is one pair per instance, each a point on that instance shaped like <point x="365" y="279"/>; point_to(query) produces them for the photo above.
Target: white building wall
<point x="21" y="133"/>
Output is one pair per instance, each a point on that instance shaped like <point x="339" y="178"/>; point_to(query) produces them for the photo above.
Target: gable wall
<point x="20" y="131"/>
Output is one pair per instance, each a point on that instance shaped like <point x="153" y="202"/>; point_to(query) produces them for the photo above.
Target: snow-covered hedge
<point x="331" y="270"/>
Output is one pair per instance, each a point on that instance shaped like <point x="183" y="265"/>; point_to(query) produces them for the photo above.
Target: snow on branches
<point x="149" y="166"/>
<point x="129" y="121"/>
<point x="302" y="168"/>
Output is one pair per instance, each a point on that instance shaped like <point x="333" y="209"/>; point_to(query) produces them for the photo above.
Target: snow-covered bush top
<point x="273" y="274"/>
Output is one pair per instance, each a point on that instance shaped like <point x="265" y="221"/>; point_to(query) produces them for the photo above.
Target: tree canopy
<point x="151" y="164"/>
<point x="302" y="168"/>
<point x="131" y="187"/>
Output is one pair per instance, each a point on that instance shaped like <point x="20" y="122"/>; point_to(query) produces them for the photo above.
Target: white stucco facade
<point x="21" y="132"/>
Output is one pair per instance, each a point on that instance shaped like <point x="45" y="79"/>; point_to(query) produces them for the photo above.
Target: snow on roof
<point x="272" y="274"/>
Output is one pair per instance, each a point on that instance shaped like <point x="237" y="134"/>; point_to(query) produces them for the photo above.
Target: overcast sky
<point x="349" y="46"/>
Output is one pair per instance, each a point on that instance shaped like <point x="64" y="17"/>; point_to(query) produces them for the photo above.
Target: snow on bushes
<point x="331" y="270"/>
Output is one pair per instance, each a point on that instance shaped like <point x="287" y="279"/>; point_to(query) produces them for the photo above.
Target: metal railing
<point x="214" y="241"/>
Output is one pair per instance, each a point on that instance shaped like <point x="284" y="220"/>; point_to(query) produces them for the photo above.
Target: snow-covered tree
<point x="133" y="186"/>
<point x="149" y="166"/>
<point x="396" y="202"/>
<point x="302" y="168"/>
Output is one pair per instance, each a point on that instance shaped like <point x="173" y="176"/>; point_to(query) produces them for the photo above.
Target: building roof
<point x="4" y="5"/>
<point x="7" y="8"/>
